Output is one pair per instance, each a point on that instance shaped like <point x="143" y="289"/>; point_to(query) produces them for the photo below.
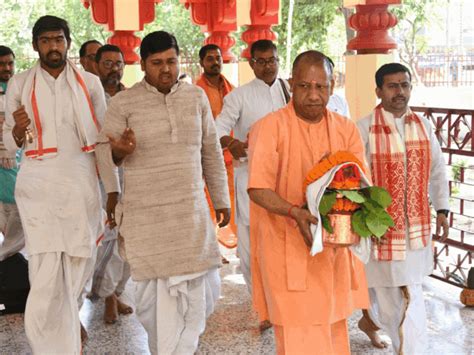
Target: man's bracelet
<point x="445" y="212"/>
<point x="17" y="139"/>
<point x="289" y="211"/>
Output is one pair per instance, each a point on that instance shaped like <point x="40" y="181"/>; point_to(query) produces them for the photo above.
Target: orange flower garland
<point x="328" y="163"/>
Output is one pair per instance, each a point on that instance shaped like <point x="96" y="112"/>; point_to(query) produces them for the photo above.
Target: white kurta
<point x="337" y="103"/>
<point x="59" y="203"/>
<point x="243" y="107"/>
<point x="418" y="263"/>
<point x="58" y="198"/>
<point x="403" y="316"/>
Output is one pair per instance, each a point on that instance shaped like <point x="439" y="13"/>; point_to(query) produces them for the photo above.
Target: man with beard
<point x="216" y="87"/>
<point x="110" y="64"/>
<point x="54" y="112"/>
<point x="406" y="159"/>
<point x="87" y="54"/>
<point x="307" y="298"/>
<point x="162" y="133"/>
<point x="242" y="108"/>
<point x="112" y="272"/>
<point x="10" y="223"/>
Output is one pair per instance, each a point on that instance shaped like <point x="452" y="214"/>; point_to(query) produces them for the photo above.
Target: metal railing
<point x="454" y="129"/>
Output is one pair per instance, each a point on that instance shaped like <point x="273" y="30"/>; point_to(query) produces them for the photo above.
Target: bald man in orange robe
<point x="307" y="299"/>
<point x="216" y="87"/>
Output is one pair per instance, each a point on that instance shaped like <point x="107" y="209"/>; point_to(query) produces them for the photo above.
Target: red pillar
<point x="372" y="22"/>
<point x="218" y="18"/>
<point x="103" y="13"/>
<point x="263" y="15"/>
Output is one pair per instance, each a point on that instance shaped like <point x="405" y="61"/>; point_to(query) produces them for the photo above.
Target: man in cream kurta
<point x="395" y="278"/>
<point x="162" y="133"/>
<point x="57" y="188"/>
<point x="243" y="107"/>
<point x="307" y="299"/>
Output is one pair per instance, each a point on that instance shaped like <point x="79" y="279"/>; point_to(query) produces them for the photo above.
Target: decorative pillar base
<point x="255" y="33"/>
<point x="225" y="42"/>
<point x="128" y="42"/>
<point x="372" y="23"/>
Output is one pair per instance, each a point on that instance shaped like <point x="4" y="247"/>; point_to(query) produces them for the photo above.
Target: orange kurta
<point x="216" y="100"/>
<point x="291" y="288"/>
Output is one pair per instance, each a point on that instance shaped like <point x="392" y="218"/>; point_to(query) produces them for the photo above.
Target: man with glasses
<point x="87" y="54"/>
<point x="242" y="108"/>
<point x="112" y="272"/>
<point x="110" y="64"/>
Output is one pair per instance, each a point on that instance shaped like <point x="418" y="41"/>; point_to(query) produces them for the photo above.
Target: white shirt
<point x="418" y="263"/>
<point x="337" y="103"/>
<point x="58" y="198"/>
<point x="242" y="108"/>
<point x="247" y="104"/>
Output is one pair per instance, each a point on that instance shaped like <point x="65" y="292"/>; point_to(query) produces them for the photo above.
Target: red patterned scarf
<point x="407" y="181"/>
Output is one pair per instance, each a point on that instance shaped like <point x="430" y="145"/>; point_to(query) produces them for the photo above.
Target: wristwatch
<point x="445" y="212"/>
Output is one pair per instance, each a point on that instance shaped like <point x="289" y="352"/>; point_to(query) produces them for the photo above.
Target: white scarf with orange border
<point x="36" y="99"/>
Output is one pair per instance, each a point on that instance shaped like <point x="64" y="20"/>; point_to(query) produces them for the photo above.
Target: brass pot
<point x="343" y="235"/>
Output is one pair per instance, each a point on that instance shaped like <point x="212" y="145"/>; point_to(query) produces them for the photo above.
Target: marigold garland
<point x="327" y="164"/>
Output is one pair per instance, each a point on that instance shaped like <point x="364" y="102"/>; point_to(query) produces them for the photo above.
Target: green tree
<point x="173" y="17"/>
<point x="311" y="19"/>
<point x="413" y="18"/>
<point x="18" y="19"/>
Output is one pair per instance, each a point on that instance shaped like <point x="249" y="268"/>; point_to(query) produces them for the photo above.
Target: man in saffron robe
<point x="406" y="159"/>
<point x="307" y="299"/>
<point x="216" y="87"/>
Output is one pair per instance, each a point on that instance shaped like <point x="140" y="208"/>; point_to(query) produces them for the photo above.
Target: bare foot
<point x="123" y="308"/>
<point x="84" y="335"/>
<point x="264" y="325"/>
<point x="368" y="329"/>
<point x="110" y="311"/>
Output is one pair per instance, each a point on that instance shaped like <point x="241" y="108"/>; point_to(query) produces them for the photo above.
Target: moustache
<point x="6" y="72"/>
<point x="215" y="66"/>
<point x="399" y="97"/>
<point x="54" y="52"/>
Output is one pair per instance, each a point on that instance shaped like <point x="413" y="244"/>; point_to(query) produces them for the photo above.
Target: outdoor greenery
<point x="413" y="17"/>
<point x="316" y="24"/>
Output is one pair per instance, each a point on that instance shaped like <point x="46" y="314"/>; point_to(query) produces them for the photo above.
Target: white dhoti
<point x="242" y="203"/>
<point x="112" y="272"/>
<point x="51" y="315"/>
<point x="10" y="227"/>
<point x="400" y="312"/>
<point x="173" y="311"/>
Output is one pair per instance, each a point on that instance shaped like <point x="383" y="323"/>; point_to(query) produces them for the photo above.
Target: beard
<point x="112" y="79"/>
<point x="53" y="59"/>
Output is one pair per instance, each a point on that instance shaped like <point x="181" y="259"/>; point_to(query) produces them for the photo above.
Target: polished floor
<point x="232" y="329"/>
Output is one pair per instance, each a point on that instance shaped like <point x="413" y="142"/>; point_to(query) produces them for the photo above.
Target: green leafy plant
<point x="370" y="219"/>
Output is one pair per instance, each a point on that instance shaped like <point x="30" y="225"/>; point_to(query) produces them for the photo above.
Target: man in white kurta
<point x="111" y="271"/>
<point x="53" y="111"/>
<point x="243" y="107"/>
<point x="10" y="223"/>
<point x="395" y="274"/>
<point x="162" y="133"/>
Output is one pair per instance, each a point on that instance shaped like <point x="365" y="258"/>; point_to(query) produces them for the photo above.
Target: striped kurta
<point x="163" y="215"/>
